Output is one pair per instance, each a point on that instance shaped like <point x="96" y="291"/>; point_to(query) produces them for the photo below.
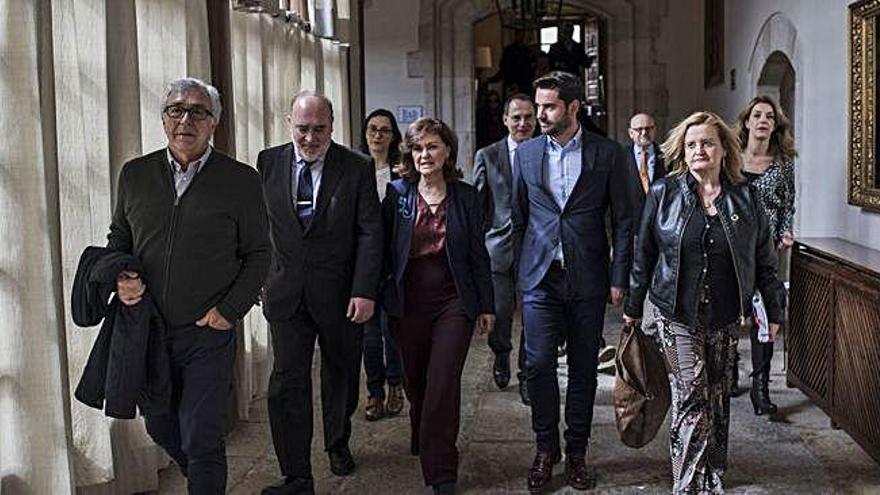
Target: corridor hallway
<point x="796" y="453"/>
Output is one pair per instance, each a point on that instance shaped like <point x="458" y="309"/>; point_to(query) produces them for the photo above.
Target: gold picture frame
<point x="863" y="188"/>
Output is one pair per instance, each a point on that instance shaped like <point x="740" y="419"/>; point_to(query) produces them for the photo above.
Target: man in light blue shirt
<point x="564" y="184"/>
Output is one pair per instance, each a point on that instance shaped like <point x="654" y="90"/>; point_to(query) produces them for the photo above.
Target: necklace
<point x="432" y="195"/>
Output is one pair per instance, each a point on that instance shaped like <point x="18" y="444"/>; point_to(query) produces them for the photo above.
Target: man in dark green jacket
<point x="196" y="220"/>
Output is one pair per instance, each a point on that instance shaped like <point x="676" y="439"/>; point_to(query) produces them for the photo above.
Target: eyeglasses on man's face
<point x="196" y="113"/>
<point x="379" y="131"/>
<point x="639" y="130"/>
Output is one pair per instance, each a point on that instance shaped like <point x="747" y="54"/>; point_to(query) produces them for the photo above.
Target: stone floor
<point x="796" y="452"/>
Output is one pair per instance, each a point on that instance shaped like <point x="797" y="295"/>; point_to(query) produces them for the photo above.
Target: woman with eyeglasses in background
<point x="380" y="138"/>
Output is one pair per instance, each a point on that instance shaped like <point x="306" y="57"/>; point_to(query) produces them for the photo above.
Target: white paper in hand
<point x="759" y="315"/>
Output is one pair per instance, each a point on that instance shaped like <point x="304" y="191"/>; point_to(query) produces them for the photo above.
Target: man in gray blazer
<point x="493" y="179"/>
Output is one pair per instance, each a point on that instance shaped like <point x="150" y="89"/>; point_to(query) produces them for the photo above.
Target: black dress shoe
<point x="524" y="392"/>
<point x="542" y="469"/>
<point x="577" y="474"/>
<point x="341" y="462"/>
<point x="291" y="486"/>
<point x="501" y="370"/>
<point x="445" y="488"/>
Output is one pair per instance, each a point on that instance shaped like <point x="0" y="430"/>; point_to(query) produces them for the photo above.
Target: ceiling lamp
<point x="527" y="14"/>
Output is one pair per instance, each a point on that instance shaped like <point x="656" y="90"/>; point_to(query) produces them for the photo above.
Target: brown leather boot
<point x="394" y="404"/>
<point x="375" y="409"/>
<point x="577" y="474"/>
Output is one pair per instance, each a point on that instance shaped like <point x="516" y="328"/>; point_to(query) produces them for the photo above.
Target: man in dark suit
<point x="644" y="164"/>
<point x="493" y="178"/>
<point x="644" y="161"/>
<point x="325" y="226"/>
<point x="564" y="182"/>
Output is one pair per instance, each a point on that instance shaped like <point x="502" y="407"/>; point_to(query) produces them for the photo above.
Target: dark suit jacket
<point x="493" y="178"/>
<point x="636" y="193"/>
<point x="339" y="256"/>
<point x="468" y="258"/>
<point x="539" y="225"/>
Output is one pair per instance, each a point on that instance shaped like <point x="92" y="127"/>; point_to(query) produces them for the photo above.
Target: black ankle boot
<point x="735" y="390"/>
<point x="760" y="394"/>
<point x="445" y="488"/>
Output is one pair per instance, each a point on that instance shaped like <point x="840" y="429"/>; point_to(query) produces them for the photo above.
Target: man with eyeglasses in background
<point x="644" y="160"/>
<point x="644" y="165"/>
<point x="196" y="220"/>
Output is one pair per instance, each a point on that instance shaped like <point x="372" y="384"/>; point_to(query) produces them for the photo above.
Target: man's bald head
<point x="641" y="129"/>
<point x="311" y="124"/>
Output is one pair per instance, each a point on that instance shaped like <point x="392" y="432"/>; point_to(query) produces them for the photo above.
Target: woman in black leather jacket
<point x="702" y="247"/>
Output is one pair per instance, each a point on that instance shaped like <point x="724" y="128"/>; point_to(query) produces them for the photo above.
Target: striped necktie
<point x="305" y="207"/>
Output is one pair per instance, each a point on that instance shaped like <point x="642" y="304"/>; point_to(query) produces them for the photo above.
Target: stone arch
<point x="445" y="62"/>
<point x="776" y="79"/>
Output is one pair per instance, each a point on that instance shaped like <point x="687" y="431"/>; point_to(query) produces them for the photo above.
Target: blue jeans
<point x="380" y="366"/>
<point x="550" y="311"/>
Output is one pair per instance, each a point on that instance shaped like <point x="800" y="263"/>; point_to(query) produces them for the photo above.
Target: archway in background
<point x="445" y="62"/>
<point x="506" y="61"/>
<point x="777" y="81"/>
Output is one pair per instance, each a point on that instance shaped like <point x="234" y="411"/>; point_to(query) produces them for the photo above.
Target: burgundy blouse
<point x="429" y="231"/>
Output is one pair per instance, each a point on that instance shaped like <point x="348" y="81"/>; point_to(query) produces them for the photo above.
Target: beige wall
<point x="819" y="53"/>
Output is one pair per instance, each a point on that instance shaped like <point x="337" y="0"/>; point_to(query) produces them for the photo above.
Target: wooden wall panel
<point x="856" y="357"/>
<point x="812" y="320"/>
<point x="834" y="337"/>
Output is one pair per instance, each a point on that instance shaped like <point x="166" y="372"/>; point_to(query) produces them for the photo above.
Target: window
<point x="549" y="35"/>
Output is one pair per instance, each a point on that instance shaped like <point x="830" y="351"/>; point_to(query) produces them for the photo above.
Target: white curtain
<point x="34" y="457"/>
<point x="82" y="86"/>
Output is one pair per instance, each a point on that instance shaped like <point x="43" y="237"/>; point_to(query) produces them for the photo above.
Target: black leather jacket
<point x="668" y="208"/>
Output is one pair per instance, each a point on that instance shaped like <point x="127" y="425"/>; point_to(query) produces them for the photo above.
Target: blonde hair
<point x="781" y="139"/>
<point x="673" y="147"/>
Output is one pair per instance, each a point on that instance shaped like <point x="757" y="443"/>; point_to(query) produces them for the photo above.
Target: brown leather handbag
<point x="641" y="393"/>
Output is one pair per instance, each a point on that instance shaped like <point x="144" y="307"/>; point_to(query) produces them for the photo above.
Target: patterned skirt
<point x="701" y="363"/>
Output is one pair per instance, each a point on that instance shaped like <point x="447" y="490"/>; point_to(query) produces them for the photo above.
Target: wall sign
<point x="410" y="113"/>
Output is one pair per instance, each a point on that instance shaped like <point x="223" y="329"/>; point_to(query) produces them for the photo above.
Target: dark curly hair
<point x="429" y="125"/>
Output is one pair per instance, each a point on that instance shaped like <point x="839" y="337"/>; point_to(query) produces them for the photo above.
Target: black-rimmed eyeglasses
<point x="381" y="131"/>
<point x="177" y="112"/>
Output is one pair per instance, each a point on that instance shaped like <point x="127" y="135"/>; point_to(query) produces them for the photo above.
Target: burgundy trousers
<point x="434" y="335"/>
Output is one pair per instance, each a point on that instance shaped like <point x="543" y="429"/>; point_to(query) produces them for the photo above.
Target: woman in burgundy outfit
<point x="437" y="286"/>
